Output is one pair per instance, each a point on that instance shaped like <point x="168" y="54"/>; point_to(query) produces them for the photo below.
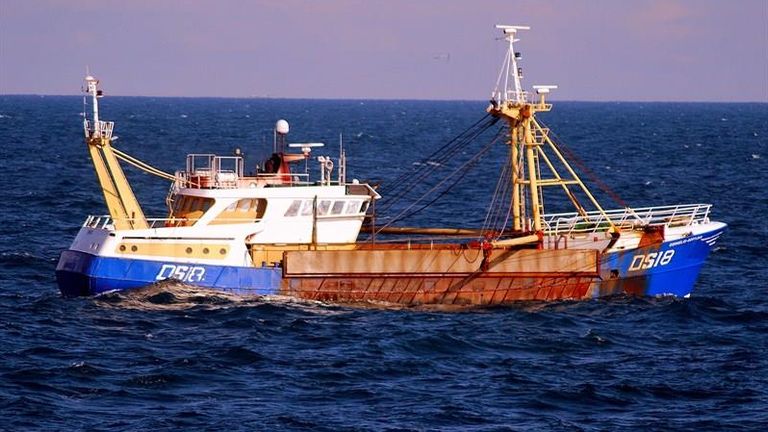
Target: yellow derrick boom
<point x="118" y="195"/>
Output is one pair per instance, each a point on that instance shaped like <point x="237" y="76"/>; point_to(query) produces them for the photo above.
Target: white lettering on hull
<point x="651" y="260"/>
<point x="181" y="272"/>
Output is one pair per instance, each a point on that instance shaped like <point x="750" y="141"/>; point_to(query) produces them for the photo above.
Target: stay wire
<point x="432" y="164"/>
<point x="500" y="211"/>
<point x="463" y="167"/>
<point x="423" y="161"/>
<point x="583" y="167"/>
<point x="464" y="172"/>
<point x="496" y="197"/>
<point x="414" y="179"/>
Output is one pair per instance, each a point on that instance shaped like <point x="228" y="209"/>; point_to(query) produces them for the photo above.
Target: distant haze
<point x="642" y="50"/>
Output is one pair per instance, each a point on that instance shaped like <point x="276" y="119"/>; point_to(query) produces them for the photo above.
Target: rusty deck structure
<point x="444" y="275"/>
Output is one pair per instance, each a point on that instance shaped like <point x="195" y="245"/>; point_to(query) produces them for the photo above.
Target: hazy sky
<point x="661" y="50"/>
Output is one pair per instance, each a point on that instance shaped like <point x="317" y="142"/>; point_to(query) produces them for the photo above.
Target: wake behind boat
<point x="278" y="231"/>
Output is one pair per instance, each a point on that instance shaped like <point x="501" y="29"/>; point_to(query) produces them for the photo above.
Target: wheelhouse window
<point x="293" y="209"/>
<point x="244" y="205"/>
<point x="306" y="208"/>
<point x="322" y="207"/>
<point x="338" y="207"/>
<point x="353" y="207"/>
<point x="245" y="210"/>
<point x="207" y="204"/>
<point x="187" y="210"/>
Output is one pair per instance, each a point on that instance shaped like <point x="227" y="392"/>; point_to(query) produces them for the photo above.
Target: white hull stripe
<point x="712" y="240"/>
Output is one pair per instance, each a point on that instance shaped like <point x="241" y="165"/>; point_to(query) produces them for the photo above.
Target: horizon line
<point x="375" y="99"/>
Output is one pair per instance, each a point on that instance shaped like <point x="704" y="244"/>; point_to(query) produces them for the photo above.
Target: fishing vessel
<point x="279" y="231"/>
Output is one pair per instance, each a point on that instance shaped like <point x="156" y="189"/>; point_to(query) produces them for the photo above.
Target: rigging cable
<point x="582" y="166"/>
<point x="144" y="166"/>
<point x="415" y="179"/>
<point x="464" y="168"/>
<point x="440" y="150"/>
<point x="433" y="163"/>
<point x="497" y="200"/>
<point x="464" y="172"/>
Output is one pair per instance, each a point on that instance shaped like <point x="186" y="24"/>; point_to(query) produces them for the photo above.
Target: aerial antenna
<point x="342" y="160"/>
<point x="279" y="133"/>
<point x="306" y="149"/>
<point x="92" y="88"/>
<point x="510" y="89"/>
<point x="85" y="100"/>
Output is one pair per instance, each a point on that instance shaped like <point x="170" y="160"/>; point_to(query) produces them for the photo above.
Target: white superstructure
<point x="218" y="214"/>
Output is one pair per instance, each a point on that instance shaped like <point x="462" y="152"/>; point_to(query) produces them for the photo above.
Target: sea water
<point x="171" y="357"/>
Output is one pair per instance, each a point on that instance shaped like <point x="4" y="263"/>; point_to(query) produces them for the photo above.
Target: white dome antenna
<point x="282" y="127"/>
<point x="281" y="130"/>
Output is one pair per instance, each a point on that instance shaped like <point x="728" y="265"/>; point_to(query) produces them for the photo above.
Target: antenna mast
<point x="508" y="101"/>
<point x="510" y="72"/>
<point x="528" y="142"/>
<point x="118" y="195"/>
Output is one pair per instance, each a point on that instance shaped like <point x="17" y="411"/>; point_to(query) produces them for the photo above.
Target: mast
<point x="507" y="101"/>
<point x="529" y="139"/>
<point x="118" y="195"/>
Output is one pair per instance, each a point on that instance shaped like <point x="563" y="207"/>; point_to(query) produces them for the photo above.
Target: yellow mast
<point x="118" y="195"/>
<point x="514" y="158"/>
<point x="511" y="103"/>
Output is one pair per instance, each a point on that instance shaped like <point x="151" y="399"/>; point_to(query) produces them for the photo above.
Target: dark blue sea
<point x="170" y="357"/>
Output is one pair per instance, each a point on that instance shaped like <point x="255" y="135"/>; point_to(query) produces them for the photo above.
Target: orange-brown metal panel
<point x="487" y="290"/>
<point x="438" y="261"/>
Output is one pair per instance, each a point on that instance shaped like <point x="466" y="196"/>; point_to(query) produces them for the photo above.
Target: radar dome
<point x="282" y="127"/>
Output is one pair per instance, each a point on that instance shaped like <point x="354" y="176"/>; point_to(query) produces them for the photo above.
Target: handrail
<point x="105" y="128"/>
<point x="553" y="224"/>
<point x="628" y="218"/>
<point x="98" y="221"/>
<point x="280" y="175"/>
<point x="209" y="169"/>
<point x="106" y="221"/>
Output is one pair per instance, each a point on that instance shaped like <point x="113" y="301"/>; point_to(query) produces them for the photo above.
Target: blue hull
<point x="669" y="268"/>
<point x="81" y="274"/>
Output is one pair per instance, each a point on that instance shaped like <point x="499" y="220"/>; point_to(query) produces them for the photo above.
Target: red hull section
<point x="486" y="290"/>
<point x="448" y="276"/>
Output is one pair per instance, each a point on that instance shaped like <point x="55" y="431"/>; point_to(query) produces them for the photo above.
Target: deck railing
<point x="105" y="128"/>
<point x="106" y="221"/>
<point x="554" y="224"/>
<point x="208" y="171"/>
<point x="98" y="222"/>
<point x="211" y="171"/>
<point x="628" y="218"/>
<point x="286" y="179"/>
